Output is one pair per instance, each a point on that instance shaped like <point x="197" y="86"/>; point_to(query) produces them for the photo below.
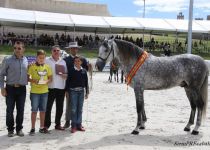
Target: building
<point x="180" y="16"/>
<point x="208" y="17"/>
<point x="198" y="18"/>
<point x="58" y="6"/>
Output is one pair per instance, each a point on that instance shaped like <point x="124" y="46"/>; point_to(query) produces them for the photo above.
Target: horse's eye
<point x="106" y="50"/>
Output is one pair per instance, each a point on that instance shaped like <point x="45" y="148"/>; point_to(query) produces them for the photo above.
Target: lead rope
<point x="87" y="113"/>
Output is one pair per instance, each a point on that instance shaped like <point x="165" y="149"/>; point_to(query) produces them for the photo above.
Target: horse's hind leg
<point x="198" y="122"/>
<point x="193" y="109"/>
<point x="195" y="102"/>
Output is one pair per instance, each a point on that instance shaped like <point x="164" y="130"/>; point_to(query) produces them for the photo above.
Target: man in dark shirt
<point x="73" y="48"/>
<point x="77" y="81"/>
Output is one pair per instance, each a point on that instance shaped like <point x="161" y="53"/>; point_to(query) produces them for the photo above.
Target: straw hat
<point x="73" y="45"/>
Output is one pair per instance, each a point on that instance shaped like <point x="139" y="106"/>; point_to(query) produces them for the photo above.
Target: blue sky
<point x="154" y="8"/>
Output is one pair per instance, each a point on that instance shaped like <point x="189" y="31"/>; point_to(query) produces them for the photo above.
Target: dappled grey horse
<point x="156" y="73"/>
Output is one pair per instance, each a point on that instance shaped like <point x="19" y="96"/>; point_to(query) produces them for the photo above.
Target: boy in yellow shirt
<point x="39" y="74"/>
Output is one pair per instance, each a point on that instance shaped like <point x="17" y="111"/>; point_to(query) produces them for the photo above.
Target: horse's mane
<point x="128" y="49"/>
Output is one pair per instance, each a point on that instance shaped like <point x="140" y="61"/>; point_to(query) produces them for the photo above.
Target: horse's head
<point x="106" y="53"/>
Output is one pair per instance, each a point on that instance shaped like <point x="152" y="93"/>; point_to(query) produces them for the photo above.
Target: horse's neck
<point x="127" y="55"/>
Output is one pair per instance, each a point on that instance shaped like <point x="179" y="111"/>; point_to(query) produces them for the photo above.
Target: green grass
<point x="31" y="51"/>
<point x="88" y="53"/>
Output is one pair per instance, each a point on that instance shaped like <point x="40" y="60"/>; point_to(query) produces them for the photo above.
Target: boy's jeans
<point x="77" y="99"/>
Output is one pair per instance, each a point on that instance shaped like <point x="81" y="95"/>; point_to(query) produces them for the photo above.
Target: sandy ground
<point x="110" y="115"/>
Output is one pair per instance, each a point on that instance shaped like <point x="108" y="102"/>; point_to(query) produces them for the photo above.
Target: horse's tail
<point x="204" y="94"/>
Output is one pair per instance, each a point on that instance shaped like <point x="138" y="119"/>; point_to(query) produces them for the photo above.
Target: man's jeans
<point x="77" y="99"/>
<point x="15" y="96"/>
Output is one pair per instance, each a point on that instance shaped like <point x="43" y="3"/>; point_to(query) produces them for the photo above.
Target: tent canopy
<point x="71" y="22"/>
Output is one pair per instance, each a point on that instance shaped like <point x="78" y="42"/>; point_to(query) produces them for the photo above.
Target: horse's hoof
<point x="195" y="132"/>
<point x="135" y="132"/>
<point x="142" y="128"/>
<point x="186" y="129"/>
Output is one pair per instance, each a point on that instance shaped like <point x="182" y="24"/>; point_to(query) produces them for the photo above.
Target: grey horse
<point x="156" y="73"/>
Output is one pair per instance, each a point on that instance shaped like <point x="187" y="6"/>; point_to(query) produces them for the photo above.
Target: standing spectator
<point x="76" y="82"/>
<point x="73" y="47"/>
<point x="39" y="74"/>
<point x="167" y="50"/>
<point x="14" y="68"/>
<point x="56" y="87"/>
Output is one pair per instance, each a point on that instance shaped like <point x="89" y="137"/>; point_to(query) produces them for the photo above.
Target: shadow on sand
<point x="138" y="140"/>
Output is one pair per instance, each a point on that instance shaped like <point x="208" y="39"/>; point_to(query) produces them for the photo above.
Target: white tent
<point x="182" y="26"/>
<point x="53" y="20"/>
<point x="17" y="18"/>
<point x="204" y="23"/>
<point x="90" y="23"/>
<point x="123" y="25"/>
<point x="70" y="22"/>
<point x="155" y="25"/>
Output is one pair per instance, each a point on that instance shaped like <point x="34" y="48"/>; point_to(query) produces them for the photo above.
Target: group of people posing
<point x="51" y="79"/>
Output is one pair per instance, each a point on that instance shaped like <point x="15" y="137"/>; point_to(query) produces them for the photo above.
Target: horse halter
<point x="105" y="59"/>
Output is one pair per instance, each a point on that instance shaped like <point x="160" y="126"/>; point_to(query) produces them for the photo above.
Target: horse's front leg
<point x="117" y="76"/>
<point x="144" y="119"/>
<point x="122" y="76"/>
<point x="110" y="77"/>
<point x="141" y="116"/>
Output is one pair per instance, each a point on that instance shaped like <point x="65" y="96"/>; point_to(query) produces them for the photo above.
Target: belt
<point x="77" y="89"/>
<point x="15" y="85"/>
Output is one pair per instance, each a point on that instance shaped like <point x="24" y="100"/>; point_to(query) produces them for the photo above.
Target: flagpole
<point x="189" y="43"/>
<point x="143" y="17"/>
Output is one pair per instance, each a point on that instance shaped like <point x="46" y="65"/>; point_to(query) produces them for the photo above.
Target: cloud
<point x="171" y="5"/>
<point x="202" y="4"/>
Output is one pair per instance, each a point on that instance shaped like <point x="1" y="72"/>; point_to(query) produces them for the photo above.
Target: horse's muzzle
<point x="100" y="65"/>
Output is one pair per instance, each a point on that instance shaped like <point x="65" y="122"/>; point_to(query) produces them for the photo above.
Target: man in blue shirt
<point x="14" y="68"/>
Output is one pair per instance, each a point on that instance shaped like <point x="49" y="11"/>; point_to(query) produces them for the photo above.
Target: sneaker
<point x="81" y="129"/>
<point x="10" y="134"/>
<point x="67" y="124"/>
<point x="32" y="132"/>
<point x="73" y="130"/>
<point x="20" y="133"/>
<point x="58" y="127"/>
<point x="44" y="130"/>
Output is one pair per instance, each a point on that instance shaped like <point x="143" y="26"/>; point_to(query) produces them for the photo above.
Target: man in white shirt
<point x="56" y="87"/>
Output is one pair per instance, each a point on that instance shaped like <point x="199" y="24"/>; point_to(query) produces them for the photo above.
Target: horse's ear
<point x="110" y="42"/>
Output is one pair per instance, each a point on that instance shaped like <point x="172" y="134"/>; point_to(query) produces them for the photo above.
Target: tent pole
<point x="74" y="33"/>
<point x="65" y="30"/>
<point x="203" y="39"/>
<point x="110" y="31"/>
<point x="1" y="34"/>
<point x="208" y="38"/>
<point x="176" y="42"/>
<point x="3" y="30"/>
<point x="143" y="39"/>
<point x="35" y="36"/>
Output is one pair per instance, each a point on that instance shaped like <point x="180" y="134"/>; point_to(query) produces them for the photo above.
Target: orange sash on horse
<point x="136" y="67"/>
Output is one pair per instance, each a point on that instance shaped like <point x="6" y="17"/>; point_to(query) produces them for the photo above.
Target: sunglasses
<point x="17" y="48"/>
<point x="56" y="50"/>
